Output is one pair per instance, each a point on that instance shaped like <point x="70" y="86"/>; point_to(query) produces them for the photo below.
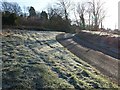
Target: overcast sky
<point x="111" y="6"/>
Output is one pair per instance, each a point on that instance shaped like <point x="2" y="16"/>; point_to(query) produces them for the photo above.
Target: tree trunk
<point x="96" y="24"/>
<point x="83" y="21"/>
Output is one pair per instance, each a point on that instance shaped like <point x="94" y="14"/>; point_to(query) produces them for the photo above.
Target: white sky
<point x="111" y="7"/>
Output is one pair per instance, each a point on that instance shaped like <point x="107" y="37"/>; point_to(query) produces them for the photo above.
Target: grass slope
<point x="35" y="60"/>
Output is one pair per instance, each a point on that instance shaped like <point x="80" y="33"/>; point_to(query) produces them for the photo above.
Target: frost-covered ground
<point x="35" y="60"/>
<point x="101" y="33"/>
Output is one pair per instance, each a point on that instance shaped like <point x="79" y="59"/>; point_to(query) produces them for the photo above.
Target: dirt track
<point x="106" y="64"/>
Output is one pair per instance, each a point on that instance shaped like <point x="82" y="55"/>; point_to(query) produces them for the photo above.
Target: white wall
<point x="119" y="15"/>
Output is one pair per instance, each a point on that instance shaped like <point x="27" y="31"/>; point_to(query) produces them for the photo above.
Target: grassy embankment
<point x="35" y="60"/>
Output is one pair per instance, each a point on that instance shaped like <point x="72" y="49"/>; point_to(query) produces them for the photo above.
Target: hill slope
<point x="35" y="60"/>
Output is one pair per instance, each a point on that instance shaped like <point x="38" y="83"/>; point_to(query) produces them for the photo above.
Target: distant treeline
<point x="12" y="16"/>
<point x="88" y="15"/>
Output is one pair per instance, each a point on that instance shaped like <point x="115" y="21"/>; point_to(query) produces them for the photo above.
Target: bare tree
<point x="65" y="5"/>
<point x="16" y="8"/>
<point x="6" y="6"/>
<point x="54" y="11"/>
<point x="98" y="12"/>
<point x="25" y="10"/>
<point x="11" y="7"/>
<point x="81" y="12"/>
<point x="75" y="14"/>
<point x="88" y="6"/>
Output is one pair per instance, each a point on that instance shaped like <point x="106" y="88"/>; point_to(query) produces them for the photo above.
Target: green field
<point x="35" y="60"/>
